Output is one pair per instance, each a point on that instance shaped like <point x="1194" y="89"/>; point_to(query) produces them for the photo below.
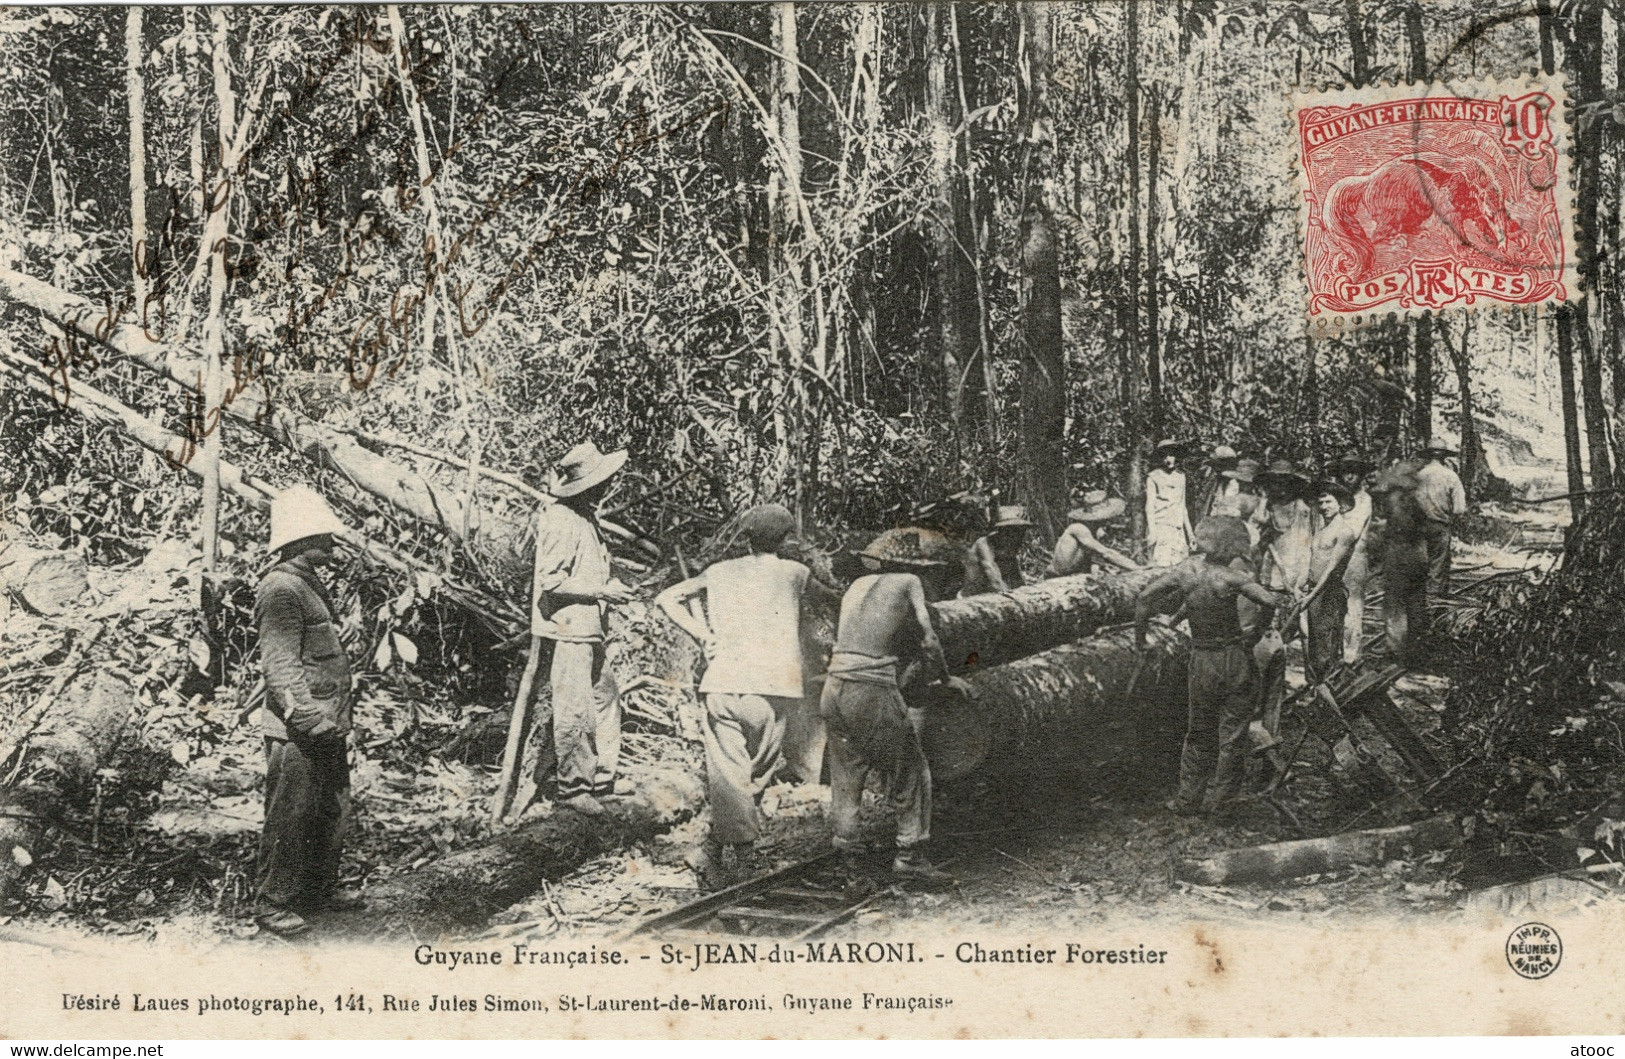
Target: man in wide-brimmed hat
<point x="1326" y="603"/>
<point x="1223" y="682"/>
<point x="1168" y="532"/>
<point x="995" y="559"/>
<point x="1351" y="472"/>
<point x="750" y="626"/>
<point x="1079" y="548"/>
<point x="885" y="638"/>
<point x="1400" y="546"/>
<point x="1235" y="484"/>
<point x="571" y="594"/>
<point x="1443" y="499"/>
<point x="306" y="718"/>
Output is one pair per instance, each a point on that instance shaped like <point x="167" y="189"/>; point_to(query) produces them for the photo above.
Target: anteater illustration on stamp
<point x="1417" y="198"/>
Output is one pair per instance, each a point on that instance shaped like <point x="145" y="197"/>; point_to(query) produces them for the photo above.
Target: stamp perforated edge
<point x="1468" y="88"/>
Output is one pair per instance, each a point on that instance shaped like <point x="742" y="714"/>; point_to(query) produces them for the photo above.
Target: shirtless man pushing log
<point x="884" y="639"/>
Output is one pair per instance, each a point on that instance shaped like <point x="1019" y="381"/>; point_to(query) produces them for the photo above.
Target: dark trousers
<point x="307" y="789"/>
<point x="1223" y="692"/>
<point x="1436" y="535"/>
<point x="1327" y="616"/>
<point x="1405" y="602"/>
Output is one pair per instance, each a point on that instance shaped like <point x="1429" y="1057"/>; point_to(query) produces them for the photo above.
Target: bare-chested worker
<point x="1080" y="550"/>
<point x="1327" y="601"/>
<point x="995" y="560"/>
<point x="884" y="640"/>
<point x="1223" y="682"/>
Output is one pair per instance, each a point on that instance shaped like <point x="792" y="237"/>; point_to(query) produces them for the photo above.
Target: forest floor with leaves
<point x="165" y="849"/>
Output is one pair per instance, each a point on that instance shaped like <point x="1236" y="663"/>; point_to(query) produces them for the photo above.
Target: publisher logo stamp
<point x="1534" y="950"/>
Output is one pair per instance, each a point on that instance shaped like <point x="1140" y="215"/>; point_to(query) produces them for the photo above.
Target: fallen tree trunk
<point x="999" y="627"/>
<point x="1087" y="703"/>
<point x="46" y="582"/>
<point x="99" y="408"/>
<point x="1278" y="861"/>
<point x="469" y="886"/>
<point x="498" y="538"/>
<point x="58" y="765"/>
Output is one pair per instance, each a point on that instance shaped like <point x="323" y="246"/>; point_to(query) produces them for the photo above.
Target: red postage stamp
<point x="1421" y="198"/>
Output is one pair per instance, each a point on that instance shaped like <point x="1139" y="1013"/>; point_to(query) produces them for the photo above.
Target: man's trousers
<point x="586" y="719"/>
<point x="1223" y="693"/>
<point x="307" y="789"/>
<point x="743" y="738"/>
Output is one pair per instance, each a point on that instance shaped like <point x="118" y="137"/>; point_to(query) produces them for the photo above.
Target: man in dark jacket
<point x="306" y="718"/>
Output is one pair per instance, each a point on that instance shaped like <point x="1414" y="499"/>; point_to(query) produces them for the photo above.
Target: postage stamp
<point x="1434" y="197"/>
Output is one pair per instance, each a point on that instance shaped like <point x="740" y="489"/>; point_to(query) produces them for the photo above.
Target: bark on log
<point x="995" y="628"/>
<point x="46" y="582"/>
<point x="470" y="886"/>
<point x="1085" y="703"/>
<point x="1278" y="861"/>
<point x="58" y="765"/>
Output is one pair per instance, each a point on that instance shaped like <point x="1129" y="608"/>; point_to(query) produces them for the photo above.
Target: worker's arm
<point x="558" y="543"/>
<point x="1065" y="557"/>
<point x="1154" y="600"/>
<point x="1092" y="543"/>
<point x="930" y="647"/>
<point x="982" y="552"/>
<point x="675" y="601"/>
<point x="282" y="626"/>
<point x="1458" y="496"/>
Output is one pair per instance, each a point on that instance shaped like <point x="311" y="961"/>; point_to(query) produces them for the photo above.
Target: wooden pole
<point x="518" y="729"/>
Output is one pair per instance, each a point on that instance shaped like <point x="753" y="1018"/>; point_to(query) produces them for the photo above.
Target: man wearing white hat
<point x="571" y="594"/>
<point x="306" y="718"/>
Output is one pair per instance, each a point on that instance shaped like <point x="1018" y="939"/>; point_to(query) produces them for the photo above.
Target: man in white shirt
<point x="1168" y="532"/>
<point x="751" y="631"/>
<point x="1351" y="472"/>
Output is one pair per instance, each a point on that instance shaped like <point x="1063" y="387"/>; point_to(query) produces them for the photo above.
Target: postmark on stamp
<point x="1421" y="198"/>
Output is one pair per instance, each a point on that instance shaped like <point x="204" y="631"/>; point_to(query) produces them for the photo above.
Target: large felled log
<point x="467" y="887"/>
<point x="999" y="627"/>
<point x="58" y="764"/>
<point x="1288" y="860"/>
<point x="1086" y="703"/>
<point x="46" y="582"/>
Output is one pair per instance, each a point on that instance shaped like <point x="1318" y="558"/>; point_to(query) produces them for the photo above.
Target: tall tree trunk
<point x="1473" y="465"/>
<point x="1359" y="52"/>
<point x="1422" y="387"/>
<point x="1131" y="364"/>
<point x="866" y="29"/>
<point x="1584" y="57"/>
<point x="784" y="191"/>
<point x="1571" y="415"/>
<point x="1156" y="414"/>
<point x="956" y="331"/>
<point x="135" y="95"/>
<point x="1596" y="413"/>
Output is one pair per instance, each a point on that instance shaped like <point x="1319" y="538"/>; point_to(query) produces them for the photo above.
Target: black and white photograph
<point x="812" y="519"/>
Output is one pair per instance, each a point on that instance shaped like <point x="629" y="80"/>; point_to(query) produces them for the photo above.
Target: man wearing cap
<point x="1168" y="533"/>
<point x="1442" y="498"/>
<point x="571" y="594"/>
<point x="884" y="639"/>
<point x="995" y="559"/>
<point x="751" y="631"/>
<point x="1327" y="602"/>
<point x="1400" y="546"/>
<point x="1351" y="473"/>
<point x="1078" y="550"/>
<point x="305" y="719"/>
<point x="1223" y="683"/>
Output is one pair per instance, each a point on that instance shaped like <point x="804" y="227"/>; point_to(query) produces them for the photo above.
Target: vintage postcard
<point x="855" y="520"/>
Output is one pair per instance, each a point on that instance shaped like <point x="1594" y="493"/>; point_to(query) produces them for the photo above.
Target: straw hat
<point x="1167" y="445"/>
<point x="299" y="512"/>
<point x="1223" y="455"/>
<point x="921" y="548"/>
<point x="1011" y="516"/>
<point x="1097" y="507"/>
<point x="584" y="467"/>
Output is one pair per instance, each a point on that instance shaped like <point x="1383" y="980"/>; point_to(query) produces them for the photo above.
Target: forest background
<point x="856" y="258"/>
